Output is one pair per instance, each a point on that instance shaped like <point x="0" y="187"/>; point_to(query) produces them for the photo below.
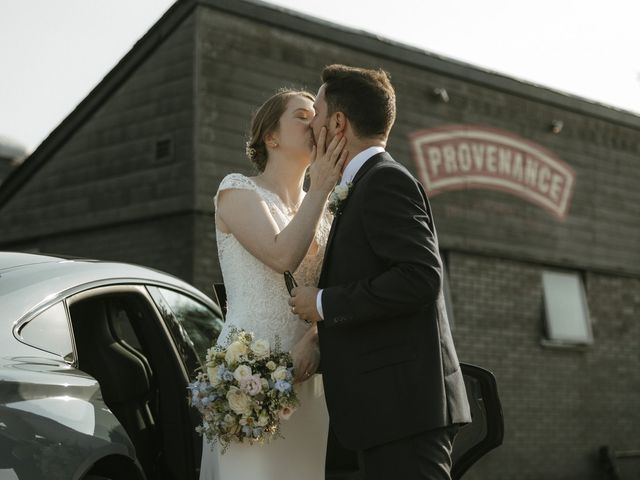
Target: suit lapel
<point x="369" y="164"/>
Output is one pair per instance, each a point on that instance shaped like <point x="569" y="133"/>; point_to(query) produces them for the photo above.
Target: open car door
<point x="474" y="440"/>
<point x="486" y="430"/>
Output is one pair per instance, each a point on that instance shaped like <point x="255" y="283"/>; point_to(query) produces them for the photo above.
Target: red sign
<point x="458" y="157"/>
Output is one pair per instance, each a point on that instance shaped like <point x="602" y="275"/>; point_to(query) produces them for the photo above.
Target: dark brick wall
<point x="107" y="172"/>
<point x="559" y="404"/>
<point x="164" y="243"/>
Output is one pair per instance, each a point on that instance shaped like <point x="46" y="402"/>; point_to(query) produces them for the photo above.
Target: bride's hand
<point x="326" y="164"/>
<point x="306" y="356"/>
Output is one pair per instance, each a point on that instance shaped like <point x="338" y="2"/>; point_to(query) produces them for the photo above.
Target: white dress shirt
<point x="348" y="175"/>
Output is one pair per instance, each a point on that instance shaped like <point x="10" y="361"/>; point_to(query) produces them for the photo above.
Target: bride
<point x="266" y="225"/>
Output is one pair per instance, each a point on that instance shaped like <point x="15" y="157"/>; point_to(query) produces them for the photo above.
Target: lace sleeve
<point x="233" y="181"/>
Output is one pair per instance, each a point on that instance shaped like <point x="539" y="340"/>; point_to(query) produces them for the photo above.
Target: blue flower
<point x="212" y="397"/>
<point x="227" y="376"/>
<point x="282" y="386"/>
<point x="247" y="430"/>
<point x="196" y="387"/>
<point x="257" y="432"/>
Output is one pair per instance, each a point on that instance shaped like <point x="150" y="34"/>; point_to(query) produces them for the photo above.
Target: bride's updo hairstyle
<point x="266" y="120"/>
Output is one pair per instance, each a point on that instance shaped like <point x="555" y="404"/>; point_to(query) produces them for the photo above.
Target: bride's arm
<point x="306" y="355"/>
<point x="247" y="216"/>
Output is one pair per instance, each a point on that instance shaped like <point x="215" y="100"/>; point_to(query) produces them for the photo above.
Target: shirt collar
<point x="357" y="162"/>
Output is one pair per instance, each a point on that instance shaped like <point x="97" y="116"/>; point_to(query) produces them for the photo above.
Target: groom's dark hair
<point x="366" y="97"/>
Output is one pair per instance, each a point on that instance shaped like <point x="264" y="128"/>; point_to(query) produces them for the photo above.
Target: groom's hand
<point x="303" y="303"/>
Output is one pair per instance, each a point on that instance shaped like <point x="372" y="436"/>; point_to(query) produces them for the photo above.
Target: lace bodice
<point x="257" y="295"/>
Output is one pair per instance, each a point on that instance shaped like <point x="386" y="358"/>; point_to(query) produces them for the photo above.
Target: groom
<point x="392" y="380"/>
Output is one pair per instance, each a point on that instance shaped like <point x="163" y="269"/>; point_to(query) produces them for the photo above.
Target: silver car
<point x="95" y="358"/>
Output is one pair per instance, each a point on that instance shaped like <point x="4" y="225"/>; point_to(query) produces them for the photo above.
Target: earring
<point x="274" y="145"/>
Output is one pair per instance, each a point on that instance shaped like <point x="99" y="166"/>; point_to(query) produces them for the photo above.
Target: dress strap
<point x="234" y="181"/>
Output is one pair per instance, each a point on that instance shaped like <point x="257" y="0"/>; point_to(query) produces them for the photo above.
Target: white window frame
<point x="558" y="308"/>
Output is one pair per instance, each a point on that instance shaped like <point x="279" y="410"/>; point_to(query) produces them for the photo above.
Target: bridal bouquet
<point x="246" y="391"/>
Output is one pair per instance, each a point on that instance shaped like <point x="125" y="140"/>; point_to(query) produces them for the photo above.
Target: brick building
<point x="535" y="195"/>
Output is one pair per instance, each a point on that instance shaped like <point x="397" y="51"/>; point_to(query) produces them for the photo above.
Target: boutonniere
<point x="338" y="196"/>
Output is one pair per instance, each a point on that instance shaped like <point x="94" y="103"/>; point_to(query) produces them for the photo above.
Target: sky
<point x="54" y="52"/>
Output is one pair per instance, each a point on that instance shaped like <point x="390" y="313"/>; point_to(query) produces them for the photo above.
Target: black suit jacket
<point x="389" y="365"/>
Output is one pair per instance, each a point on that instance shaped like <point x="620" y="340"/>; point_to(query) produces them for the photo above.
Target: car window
<point x="49" y="331"/>
<point x="193" y="326"/>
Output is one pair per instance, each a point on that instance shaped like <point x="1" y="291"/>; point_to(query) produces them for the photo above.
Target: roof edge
<point x="160" y="30"/>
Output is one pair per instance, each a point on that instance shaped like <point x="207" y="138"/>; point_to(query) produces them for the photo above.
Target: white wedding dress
<point x="257" y="301"/>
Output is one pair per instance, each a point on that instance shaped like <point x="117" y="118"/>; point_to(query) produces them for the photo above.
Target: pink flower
<point x="286" y="412"/>
<point x="251" y="384"/>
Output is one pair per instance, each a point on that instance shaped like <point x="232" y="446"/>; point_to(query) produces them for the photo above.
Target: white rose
<point x="242" y="372"/>
<point x="261" y="348"/>
<point x="251" y="385"/>
<point x="279" y="374"/>
<point x="212" y="373"/>
<point x="342" y="192"/>
<point x="271" y="365"/>
<point x="234" y="351"/>
<point x="239" y="402"/>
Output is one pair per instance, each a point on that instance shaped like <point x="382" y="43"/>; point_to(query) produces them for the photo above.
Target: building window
<point x="565" y="308"/>
<point x="164" y="150"/>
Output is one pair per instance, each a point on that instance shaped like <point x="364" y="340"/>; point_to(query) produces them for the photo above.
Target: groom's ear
<point x="339" y="122"/>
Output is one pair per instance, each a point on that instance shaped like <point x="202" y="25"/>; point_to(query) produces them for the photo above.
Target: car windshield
<point x="193" y="326"/>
